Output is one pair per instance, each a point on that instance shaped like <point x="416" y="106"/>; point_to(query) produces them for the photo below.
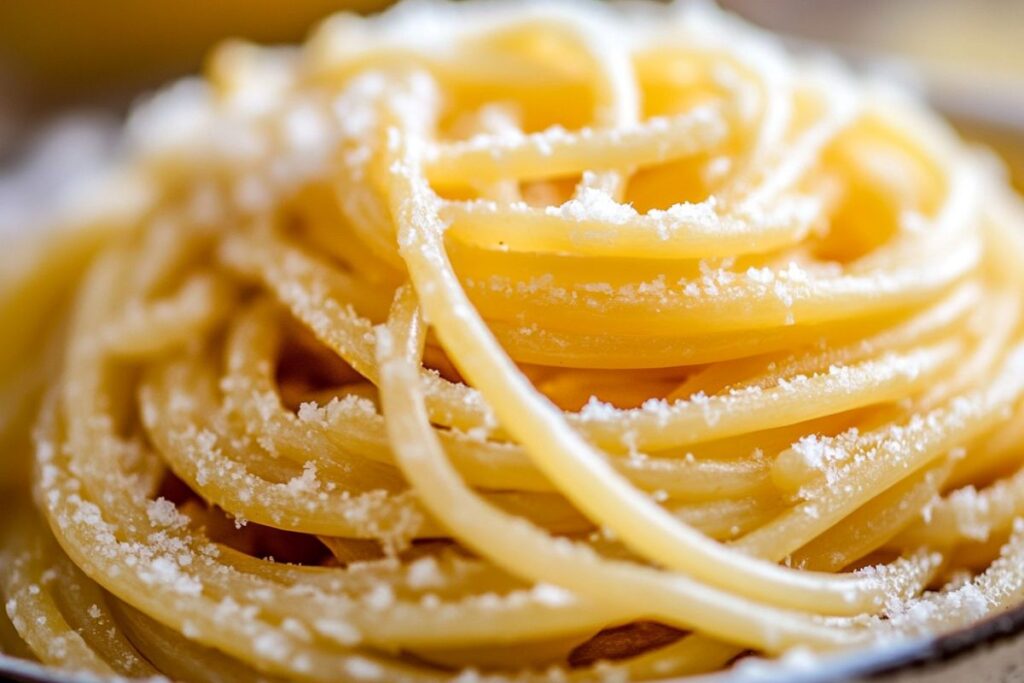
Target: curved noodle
<point x="555" y="343"/>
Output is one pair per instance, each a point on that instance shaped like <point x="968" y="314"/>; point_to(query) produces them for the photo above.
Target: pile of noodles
<point x="538" y="342"/>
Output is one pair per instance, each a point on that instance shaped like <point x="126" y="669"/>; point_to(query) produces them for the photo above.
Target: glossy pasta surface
<point x="532" y="342"/>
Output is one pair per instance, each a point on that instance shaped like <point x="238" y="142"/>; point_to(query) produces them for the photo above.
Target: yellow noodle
<point x="494" y="341"/>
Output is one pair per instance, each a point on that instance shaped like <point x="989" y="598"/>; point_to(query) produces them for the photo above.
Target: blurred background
<point x="63" y="55"/>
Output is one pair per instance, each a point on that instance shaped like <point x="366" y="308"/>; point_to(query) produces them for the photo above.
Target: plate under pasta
<point x="537" y="342"/>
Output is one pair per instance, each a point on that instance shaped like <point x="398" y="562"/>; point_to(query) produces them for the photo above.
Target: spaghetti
<point x="563" y="342"/>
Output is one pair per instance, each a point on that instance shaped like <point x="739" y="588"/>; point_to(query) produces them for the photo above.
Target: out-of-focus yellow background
<point x="56" y="54"/>
<point x="68" y="49"/>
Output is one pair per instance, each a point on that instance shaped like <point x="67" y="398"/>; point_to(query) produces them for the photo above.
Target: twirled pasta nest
<point x="479" y="341"/>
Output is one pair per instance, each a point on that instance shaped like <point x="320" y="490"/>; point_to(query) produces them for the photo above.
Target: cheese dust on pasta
<point x="533" y="342"/>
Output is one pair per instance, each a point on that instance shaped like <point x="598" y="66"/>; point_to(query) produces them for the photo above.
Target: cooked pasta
<point x="537" y="342"/>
